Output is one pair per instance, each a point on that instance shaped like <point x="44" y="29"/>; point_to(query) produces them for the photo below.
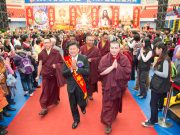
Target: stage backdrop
<point x="81" y="16"/>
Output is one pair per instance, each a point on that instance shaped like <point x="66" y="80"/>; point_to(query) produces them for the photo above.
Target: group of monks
<point x="81" y="70"/>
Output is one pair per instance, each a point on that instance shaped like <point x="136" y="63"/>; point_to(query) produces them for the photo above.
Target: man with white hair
<point x="60" y="50"/>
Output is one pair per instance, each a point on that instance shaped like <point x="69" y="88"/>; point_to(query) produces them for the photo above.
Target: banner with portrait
<point x="126" y="16"/>
<point x="81" y="16"/>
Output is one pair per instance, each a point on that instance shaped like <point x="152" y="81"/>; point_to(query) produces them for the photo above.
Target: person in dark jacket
<point x="160" y="82"/>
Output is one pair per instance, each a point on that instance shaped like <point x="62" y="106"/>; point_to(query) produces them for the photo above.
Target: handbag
<point x="156" y="83"/>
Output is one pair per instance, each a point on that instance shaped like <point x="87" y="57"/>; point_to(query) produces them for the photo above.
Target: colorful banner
<point x="29" y="16"/>
<point x="136" y="17"/>
<point x="126" y="16"/>
<point x="115" y="16"/>
<point x="55" y="1"/>
<point x="51" y="15"/>
<point x="82" y="16"/>
<point x="62" y="15"/>
<point x="73" y="15"/>
<point x="41" y="19"/>
<point x="95" y="15"/>
<point x="105" y="16"/>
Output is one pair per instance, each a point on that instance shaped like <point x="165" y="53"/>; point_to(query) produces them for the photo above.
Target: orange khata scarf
<point x="79" y="78"/>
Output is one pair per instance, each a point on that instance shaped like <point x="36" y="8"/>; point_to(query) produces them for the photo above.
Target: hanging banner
<point x="126" y="16"/>
<point x="83" y="18"/>
<point x="95" y="15"/>
<point x="73" y="15"/>
<point x="105" y="16"/>
<point x="29" y="16"/>
<point x="41" y="20"/>
<point x="115" y="16"/>
<point x="136" y="17"/>
<point x="51" y="15"/>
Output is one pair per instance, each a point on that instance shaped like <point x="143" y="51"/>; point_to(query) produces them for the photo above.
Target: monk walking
<point x="93" y="55"/>
<point x="49" y="61"/>
<point x="115" y="70"/>
<point x="104" y="44"/>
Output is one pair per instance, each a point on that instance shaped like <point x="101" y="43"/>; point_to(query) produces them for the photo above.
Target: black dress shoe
<point x="10" y="108"/>
<point x="6" y="114"/>
<point x="74" y="125"/>
<point x="3" y="132"/>
<point x="84" y="111"/>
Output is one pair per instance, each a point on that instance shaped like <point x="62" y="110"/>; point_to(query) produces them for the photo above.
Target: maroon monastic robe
<point x="105" y="49"/>
<point x="64" y="47"/>
<point x="51" y="80"/>
<point x="80" y="38"/>
<point x="94" y="54"/>
<point x="113" y="86"/>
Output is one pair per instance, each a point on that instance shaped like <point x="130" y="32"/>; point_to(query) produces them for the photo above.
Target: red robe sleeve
<point x="59" y="76"/>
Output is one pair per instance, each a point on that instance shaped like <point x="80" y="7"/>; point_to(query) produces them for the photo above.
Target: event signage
<point x="117" y="1"/>
<point x="55" y="1"/>
<point x="85" y="1"/>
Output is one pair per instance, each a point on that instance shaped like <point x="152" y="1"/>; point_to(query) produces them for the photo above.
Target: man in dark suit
<point x="78" y="66"/>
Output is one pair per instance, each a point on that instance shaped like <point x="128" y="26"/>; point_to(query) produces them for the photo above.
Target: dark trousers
<point x="9" y="98"/>
<point x="76" y="98"/>
<point x="155" y="97"/>
<point x="161" y="101"/>
<point x="26" y="80"/>
<point x="143" y="82"/>
<point x="34" y="75"/>
<point x="134" y="67"/>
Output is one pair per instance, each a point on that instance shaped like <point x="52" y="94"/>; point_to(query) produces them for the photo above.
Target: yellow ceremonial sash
<point x="79" y="78"/>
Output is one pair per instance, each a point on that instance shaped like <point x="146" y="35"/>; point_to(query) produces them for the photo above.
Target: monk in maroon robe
<point x="80" y="38"/>
<point x="115" y="70"/>
<point x="64" y="43"/>
<point x="104" y="45"/>
<point x="50" y="61"/>
<point x="93" y="55"/>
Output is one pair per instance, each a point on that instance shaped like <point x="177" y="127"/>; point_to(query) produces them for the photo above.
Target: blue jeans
<point x="26" y="81"/>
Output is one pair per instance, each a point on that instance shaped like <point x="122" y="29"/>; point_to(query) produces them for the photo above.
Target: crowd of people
<point x="81" y="58"/>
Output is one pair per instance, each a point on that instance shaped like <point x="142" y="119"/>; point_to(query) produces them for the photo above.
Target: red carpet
<point x="59" y="119"/>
